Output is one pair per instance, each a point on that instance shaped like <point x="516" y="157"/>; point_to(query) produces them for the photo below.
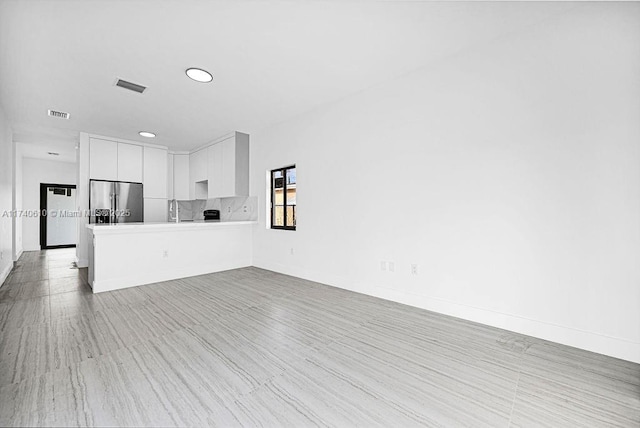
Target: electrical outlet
<point x="229" y="209"/>
<point x="291" y="251"/>
<point x="244" y="209"/>
<point x="383" y="266"/>
<point x="165" y="254"/>
<point x="392" y="267"/>
<point x="414" y="269"/>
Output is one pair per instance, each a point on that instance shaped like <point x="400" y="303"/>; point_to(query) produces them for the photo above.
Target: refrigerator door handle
<point x="113" y="208"/>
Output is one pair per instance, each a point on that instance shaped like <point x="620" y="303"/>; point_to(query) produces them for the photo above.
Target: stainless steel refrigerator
<point x="115" y="202"/>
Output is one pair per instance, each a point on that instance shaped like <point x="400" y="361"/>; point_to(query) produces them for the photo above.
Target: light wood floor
<point x="250" y="347"/>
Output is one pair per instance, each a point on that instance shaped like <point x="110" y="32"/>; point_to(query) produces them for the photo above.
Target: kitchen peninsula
<point x="130" y="254"/>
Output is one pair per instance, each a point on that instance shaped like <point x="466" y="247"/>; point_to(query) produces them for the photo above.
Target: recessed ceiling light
<point x="147" y="134"/>
<point x="54" y="153"/>
<point x="199" y="75"/>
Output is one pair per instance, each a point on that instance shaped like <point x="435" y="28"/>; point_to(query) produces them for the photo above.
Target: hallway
<point x="44" y="273"/>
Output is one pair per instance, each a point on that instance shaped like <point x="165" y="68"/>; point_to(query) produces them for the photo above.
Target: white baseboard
<point x="18" y="256"/>
<point x="5" y="273"/>
<point x="591" y="341"/>
<point x="82" y="263"/>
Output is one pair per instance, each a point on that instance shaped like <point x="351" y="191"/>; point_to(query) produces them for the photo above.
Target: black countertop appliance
<point x="211" y="215"/>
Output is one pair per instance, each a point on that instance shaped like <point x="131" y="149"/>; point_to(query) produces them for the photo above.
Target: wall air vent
<point x="130" y="86"/>
<point x="60" y="114"/>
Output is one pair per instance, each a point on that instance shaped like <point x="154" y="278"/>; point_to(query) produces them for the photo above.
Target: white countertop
<point x="163" y="226"/>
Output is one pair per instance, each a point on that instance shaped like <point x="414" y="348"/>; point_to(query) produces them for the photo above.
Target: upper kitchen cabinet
<point x="181" y="177"/>
<point x="198" y="165"/>
<point x="103" y="159"/>
<point x="214" y="169"/>
<point x="116" y="161"/>
<point x="129" y="163"/>
<point x="155" y="172"/>
<point x="228" y="167"/>
<point x="198" y="174"/>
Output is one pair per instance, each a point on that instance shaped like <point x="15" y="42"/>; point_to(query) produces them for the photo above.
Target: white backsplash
<point x="231" y="209"/>
<point x="238" y="209"/>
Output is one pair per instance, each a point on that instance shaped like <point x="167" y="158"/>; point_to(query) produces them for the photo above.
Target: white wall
<point x="82" y="199"/>
<point x="34" y="172"/>
<point x="510" y="174"/>
<point x="17" y="200"/>
<point x="6" y="203"/>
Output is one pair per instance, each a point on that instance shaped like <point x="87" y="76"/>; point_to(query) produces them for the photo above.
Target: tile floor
<point x="250" y="347"/>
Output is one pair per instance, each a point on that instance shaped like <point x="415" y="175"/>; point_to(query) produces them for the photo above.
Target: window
<point x="283" y="198"/>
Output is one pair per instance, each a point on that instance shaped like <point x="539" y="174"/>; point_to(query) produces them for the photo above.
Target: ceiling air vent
<point x="130" y="86"/>
<point x="60" y="114"/>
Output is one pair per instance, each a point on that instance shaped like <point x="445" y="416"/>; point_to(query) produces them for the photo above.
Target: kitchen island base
<point x="128" y="255"/>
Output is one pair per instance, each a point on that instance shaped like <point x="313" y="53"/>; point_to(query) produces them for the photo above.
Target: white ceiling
<point x="38" y="145"/>
<point x="271" y="60"/>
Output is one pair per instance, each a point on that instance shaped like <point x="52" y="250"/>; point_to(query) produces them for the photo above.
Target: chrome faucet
<point x="176" y="217"/>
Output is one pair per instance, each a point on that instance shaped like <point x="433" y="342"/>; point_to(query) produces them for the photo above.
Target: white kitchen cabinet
<point x="129" y="162"/>
<point x="111" y="160"/>
<point x="198" y="165"/>
<point x="181" y="177"/>
<point x="103" y="159"/>
<point x="155" y="173"/>
<point x="214" y="170"/>
<point x="198" y="174"/>
<point x="228" y="167"/>
<point x="170" y="176"/>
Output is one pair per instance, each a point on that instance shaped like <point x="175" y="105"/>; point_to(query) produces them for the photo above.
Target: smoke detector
<point x="59" y="114"/>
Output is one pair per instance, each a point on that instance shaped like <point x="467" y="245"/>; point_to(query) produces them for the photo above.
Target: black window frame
<point x="283" y="170"/>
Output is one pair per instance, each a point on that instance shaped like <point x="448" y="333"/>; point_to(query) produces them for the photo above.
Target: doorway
<point x="58" y="219"/>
